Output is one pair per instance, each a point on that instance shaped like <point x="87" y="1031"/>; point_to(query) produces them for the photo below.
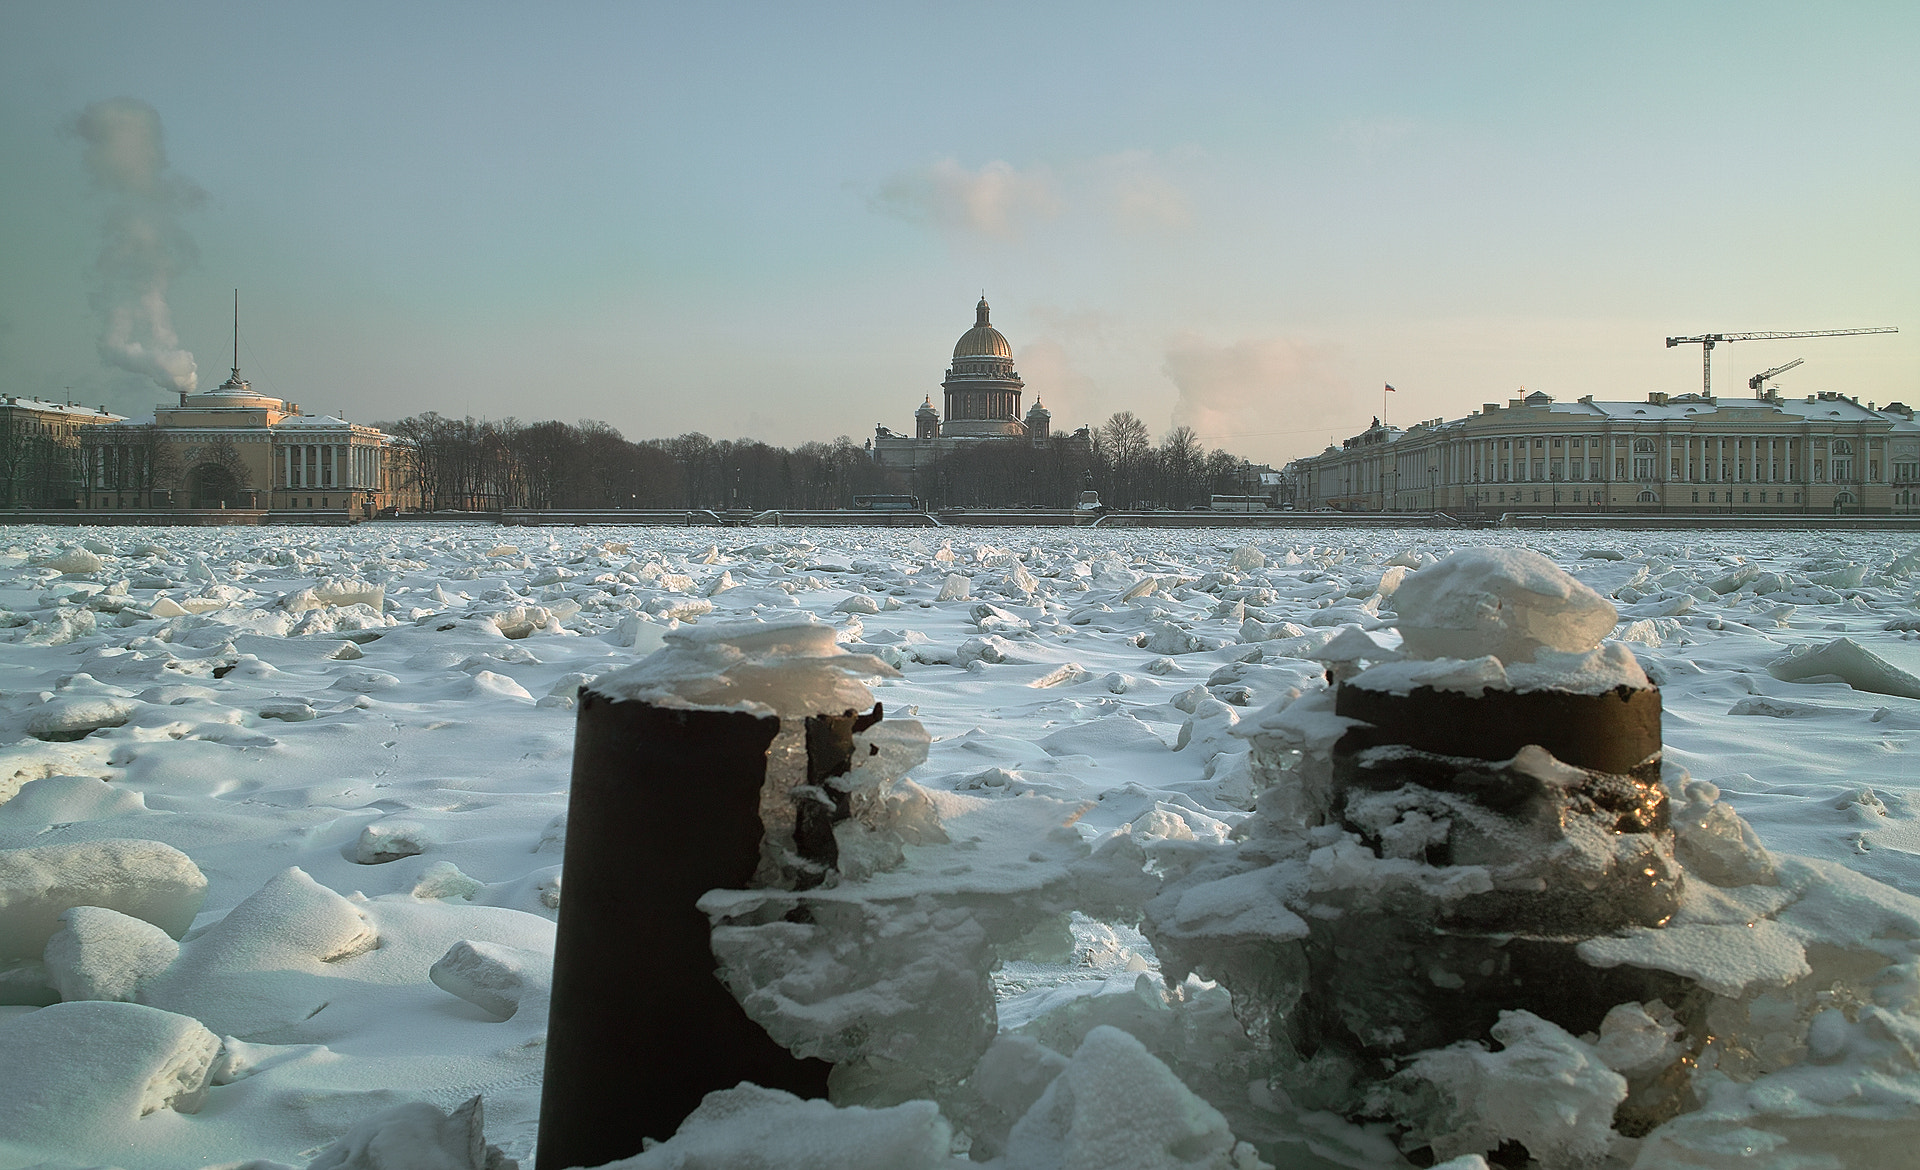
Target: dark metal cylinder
<point x="1615" y="731"/>
<point x="664" y="807"/>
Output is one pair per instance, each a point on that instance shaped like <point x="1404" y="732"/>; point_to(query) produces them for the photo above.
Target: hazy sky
<point x="772" y="220"/>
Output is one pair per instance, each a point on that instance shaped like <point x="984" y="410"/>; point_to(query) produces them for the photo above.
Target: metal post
<point x="664" y="807"/>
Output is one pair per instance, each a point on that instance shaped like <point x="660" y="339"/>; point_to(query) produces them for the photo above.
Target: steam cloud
<point x="1262" y="385"/>
<point x="995" y="200"/>
<point x="143" y="246"/>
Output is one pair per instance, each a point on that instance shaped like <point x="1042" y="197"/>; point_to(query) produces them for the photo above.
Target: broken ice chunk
<point x="385" y="841"/>
<point x="1116" y="1104"/>
<point x="1851" y="663"/>
<point x="146" y="879"/>
<point x="416" y="1136"/>
<point x="103" y="954"/>
<point x="493" y="977"/>
<point x="94" y="1067"/>
<point x="1544" y="1089"/>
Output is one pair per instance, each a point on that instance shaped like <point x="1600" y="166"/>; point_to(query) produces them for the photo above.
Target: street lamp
<point x="1433" y="501"/>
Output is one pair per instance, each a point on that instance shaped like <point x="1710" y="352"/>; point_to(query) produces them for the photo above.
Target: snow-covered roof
<point x="1821" y="408"/>
<point x="29" y="402"/>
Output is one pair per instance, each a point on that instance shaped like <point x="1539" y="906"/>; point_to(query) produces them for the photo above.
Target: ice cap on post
<point x="1507" y="602"/>
<point x="789" y="669"/>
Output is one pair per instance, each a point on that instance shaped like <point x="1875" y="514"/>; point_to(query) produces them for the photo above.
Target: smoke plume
<point x="143" y="246"/>
<point x="1276" y="388"/>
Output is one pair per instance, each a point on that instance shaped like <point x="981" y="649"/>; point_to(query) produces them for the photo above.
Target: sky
<point x="772" y="221"/>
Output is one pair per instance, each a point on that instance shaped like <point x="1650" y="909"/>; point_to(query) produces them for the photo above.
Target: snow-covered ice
<point x="280" y="816"/>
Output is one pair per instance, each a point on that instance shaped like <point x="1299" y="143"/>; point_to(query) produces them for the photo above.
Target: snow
<point x="1588" y="672"/>
<point x="1505" y="602"/>
<point x="783" y="668"/>
<point x="333" y="764"/>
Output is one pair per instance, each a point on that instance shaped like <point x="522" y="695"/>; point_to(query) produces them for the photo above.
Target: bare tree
<point x="1124" y="447"/>
<point x="1182" y="466"/>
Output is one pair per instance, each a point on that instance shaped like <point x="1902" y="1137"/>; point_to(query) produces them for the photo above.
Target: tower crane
<point x="1706" y="342"/>
<point x="1760" y="379"/>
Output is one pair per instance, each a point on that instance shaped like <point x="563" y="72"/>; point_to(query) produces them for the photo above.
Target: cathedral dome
<point x="983" y="340"/>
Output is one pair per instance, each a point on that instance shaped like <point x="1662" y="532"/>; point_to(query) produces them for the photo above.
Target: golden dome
<point x="983" y="340"/>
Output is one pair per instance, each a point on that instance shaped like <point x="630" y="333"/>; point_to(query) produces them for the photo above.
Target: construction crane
<point x="1760" y="379"/>
<point x="1706" y="342"/>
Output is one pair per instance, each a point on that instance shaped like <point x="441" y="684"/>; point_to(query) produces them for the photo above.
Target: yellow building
<point x="230" y="448"/>
<point x="40" y="464"/>
<point x="1684" y="453"/>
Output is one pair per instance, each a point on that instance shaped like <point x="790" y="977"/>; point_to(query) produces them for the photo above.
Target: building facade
<point x="40" y="450"/>
<point x="981" y="396"/>
<point x="232" y="448"/>
<point x="1686" y="453"/>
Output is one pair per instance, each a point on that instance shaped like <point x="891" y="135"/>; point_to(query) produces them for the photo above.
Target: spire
<point x="235" y="384"/>
<point x="980" y="313"/>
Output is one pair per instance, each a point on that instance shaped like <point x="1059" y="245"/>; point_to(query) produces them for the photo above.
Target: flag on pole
<point x="1390" y="388"/>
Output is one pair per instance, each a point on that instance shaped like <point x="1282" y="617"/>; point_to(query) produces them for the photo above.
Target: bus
<point x="1239" y="504"/>
<point x="889" y="504"/>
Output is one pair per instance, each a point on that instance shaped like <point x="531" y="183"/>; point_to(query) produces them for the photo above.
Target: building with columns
<point x="1686" y="453"/>
<point x="232" y="448"/>
<point x="981" y="398"/>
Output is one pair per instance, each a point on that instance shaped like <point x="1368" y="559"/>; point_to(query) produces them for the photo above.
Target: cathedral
<point x="981" y="400"/>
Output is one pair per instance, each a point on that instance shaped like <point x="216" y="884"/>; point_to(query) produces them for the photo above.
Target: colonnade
<point x="306" y="466"/>
<point x="1620" y="458"/>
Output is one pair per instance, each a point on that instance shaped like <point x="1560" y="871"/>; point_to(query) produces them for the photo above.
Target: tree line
<point x="484" y="464"/>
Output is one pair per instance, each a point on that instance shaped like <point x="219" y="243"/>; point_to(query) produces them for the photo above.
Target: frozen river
<point x="390" y="710"/>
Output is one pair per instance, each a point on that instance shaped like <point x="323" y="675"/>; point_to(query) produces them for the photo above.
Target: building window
<point x="1711" y="498"/>
<point x="1696" y="497"/>
<point x="1746" y="497"/>
<point x="1536" y="495"/>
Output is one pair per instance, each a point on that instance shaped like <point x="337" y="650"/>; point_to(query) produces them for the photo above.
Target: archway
<point x="213" y="486"/>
